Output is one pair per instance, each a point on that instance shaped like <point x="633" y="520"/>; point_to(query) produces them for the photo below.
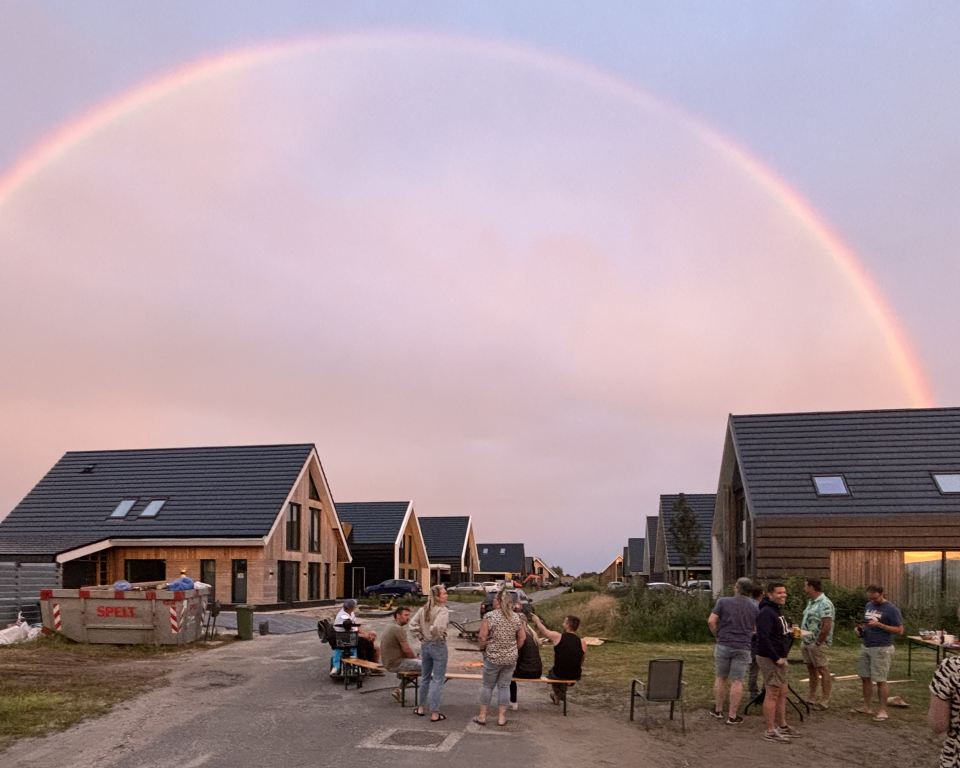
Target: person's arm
<point x="583" y="644"/>
<point x="521" y="636"/>
<point x="553" y="637"/>
<point x="824" y="630"/>
<point x="482" y="636"/>
<point x="407" y="650"/>
<point x="938" y="716"/>
<point x="712" y="622"/>
<point x="893" y="629"/>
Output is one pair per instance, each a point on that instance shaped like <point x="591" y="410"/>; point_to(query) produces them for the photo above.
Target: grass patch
<point x="52" y="683"/>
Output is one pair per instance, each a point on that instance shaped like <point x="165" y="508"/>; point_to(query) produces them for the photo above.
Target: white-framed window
<point x="123" y="507"/>
<point x="830" y="485"/>
<point x="947" y="482"/>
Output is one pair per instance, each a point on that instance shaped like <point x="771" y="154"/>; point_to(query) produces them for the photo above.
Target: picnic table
<point x="412" y="678"/>
<point x="922" y="642"/>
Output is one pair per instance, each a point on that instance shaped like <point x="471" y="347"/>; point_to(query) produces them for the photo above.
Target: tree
<point x="684" y="534"/>
<point x="557" y="570"/>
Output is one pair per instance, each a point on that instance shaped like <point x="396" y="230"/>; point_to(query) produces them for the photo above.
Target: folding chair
<point x="664" y="684"/>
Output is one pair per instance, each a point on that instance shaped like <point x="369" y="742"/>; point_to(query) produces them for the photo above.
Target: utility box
<point x="97" y="615"/>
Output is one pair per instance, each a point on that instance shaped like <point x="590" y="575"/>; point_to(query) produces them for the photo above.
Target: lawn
<point x="52" y="683"/>
<point x="609" y="668"/>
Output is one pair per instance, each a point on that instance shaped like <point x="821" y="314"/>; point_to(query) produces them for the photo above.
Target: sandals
<point x="440" y="716"/>
<point x="478" y="721"/>
<point x="501" y="725"/>
<point x="419" y="712"/>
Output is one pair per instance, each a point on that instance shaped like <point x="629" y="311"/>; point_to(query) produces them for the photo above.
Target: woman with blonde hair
<point x="429" y="626"/>
<point x="501" y="635"/>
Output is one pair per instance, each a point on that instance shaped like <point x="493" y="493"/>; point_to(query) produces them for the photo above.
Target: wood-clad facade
<point x="884" y="519"/>
<point x="258" y="523"/>
<point x="613" y="572"/>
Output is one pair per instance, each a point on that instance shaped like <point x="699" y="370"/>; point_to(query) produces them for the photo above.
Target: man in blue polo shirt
<point x="881" y="621"/>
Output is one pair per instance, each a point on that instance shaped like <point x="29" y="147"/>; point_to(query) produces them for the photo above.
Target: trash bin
<point x="245" y="622"/>
<point x="102" y="615"/>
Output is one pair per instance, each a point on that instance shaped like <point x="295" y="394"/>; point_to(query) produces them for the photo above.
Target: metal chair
<point x="664" y="684"/>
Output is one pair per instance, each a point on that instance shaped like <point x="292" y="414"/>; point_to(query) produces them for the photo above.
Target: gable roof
<point x="886" y="458"/>
<point x="702" y="505"/>
<point x="509" y="561"/>
<point x="445" y="536"/>
<point x="222" y="492"/>
<point x="650" y="543"/>
<point x="374" y="522"/>
<point x="635" y="555"/>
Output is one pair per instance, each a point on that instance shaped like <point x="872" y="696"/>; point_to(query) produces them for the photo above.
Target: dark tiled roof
<point x="702" y="505"/>
<point x="651" y="541"/>
<point x="510" y="561"/>
<point x="374" y="522"/>
<point x="444" y="536"/>
<point x="528" y="564"/>
<point x="634" y="555"/>
<point x="886" y="458"/>
<point x="227" y="492"/>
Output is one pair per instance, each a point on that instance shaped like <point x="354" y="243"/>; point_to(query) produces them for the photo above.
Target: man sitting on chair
<point x="398" y="656"/>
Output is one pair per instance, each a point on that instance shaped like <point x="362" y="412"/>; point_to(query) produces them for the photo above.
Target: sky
<point x="517" y="262"/>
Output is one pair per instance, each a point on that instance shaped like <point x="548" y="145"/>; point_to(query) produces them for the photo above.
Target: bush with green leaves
<point x="653" y="615"/>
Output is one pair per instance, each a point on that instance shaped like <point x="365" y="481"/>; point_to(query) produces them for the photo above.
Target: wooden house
<point x="613" y="572"/>
<point x="859" y="497"/>
<point x="633" y="569"/>
<point x="385" y="542"/>
<point x="668" y="560"/>
<point x="258" y="523"/>
<point x="450" y="542"/>
<point x="501" y="561"/>
<point x="538" y="572"/>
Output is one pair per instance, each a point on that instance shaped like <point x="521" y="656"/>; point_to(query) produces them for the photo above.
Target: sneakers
<point x="790" y="733"/>
<point x="334" y="672"/>
<point x="776" y="736"/>
<point x="514" y="705"/>
<point x="717" y="714"/>
<point x="734" y="720"/>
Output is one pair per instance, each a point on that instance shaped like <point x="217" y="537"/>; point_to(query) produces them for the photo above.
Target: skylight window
<point x="123" y="507"/>
<point x="153" y="507"/>
<point x="503" y="551"/>
<point x="485" y="550"/>
<point x="947" y="483"/>
<point x="831" y="485"/>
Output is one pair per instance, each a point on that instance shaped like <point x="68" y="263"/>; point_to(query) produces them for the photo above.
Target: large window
<point x="403" y="549"/>
<point x="313" y="542"/>
<point x="293" y="526"/>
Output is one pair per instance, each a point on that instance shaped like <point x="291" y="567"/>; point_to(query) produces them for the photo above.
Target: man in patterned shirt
<point x="818" y="619"/>
<point x="944" y="712"/>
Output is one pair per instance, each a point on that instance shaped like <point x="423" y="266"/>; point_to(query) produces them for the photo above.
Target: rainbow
<point x="72" y="134"/>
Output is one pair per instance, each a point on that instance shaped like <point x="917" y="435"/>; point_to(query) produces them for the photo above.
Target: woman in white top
<point x="429" y="626"/>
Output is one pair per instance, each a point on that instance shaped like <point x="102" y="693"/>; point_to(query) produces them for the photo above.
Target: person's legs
<point x="736" y="694"/>
<point x="426" y="670"/>
<point x="782" y="705"/>
<point x="513" y="692"/>
<point x="503" y="689"/>
<point x="439" y="676"/>
<point x="827" y="685"/>
<point x="883" y="691"/>
<point x="739" y="664"/>
<point x="771" y="699"/>
<point x="335" y="661"/>
<point x="867" y="685"/>
<point x="719" y="693"/>
<point x="882" y="659"/>
<point x="487" y="685"/>
<point x="752" y="686"/>
<point x="814" y="680"/>
<point x="866" y="680"/>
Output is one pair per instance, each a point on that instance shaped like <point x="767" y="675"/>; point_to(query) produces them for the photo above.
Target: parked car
<point x="698" y="585"/>
<point x="520" y="601"/>
<point x="616" y="585"/>
<point x="663" y="585"/>
<point x="467" y="586"/>
<point x="508" y="584"/>
<point x="394" y="587"/>
<point x="489" y="586"/>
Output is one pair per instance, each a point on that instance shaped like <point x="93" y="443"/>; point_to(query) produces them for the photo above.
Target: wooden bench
<point x="413" y="678"/>
<point x="352" y="669"/>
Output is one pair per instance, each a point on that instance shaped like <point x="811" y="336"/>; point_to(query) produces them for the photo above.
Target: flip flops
<point x="861" y="711"/>
<point x="478" y="721"/>
<point x="440" y="716"/>
<point x="396" y="696"/>
<point x="419" y="712"/>
<point x="881" y="718"/>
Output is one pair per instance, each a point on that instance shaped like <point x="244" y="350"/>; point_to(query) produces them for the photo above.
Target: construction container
<point x="98" y="615"/>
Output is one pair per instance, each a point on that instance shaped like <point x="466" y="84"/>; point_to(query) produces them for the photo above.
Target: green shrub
<point x="652" y="615"/>
<point x="585" y="585"/>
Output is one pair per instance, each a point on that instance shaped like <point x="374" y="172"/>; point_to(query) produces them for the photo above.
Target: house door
<point x="208" y="575"/>
<point x="288" y="581"/>
<point x="359" y="582"/>
<point x="239" y="582"/>
<point x="79" y="573"/>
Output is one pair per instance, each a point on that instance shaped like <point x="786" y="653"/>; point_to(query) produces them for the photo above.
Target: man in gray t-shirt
<point x="732" y="622"/>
